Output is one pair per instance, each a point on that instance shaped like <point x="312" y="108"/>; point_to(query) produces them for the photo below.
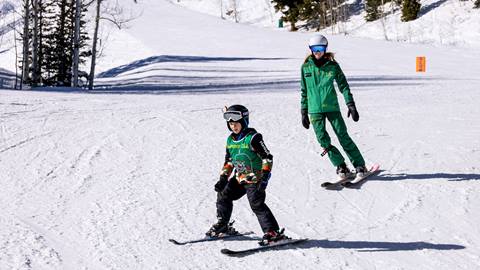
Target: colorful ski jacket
<point x="248" y="155"/>
<point x="317" y="89"/>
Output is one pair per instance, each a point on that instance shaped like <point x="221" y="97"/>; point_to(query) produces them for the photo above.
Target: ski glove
<point x="305" y="120"/>
<point x="352" y="110"/>
<point x="222" y="182"/>
<point x="262" y="184"/>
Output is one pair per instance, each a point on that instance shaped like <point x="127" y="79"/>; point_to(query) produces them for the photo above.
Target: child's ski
<point x="207" y="238"/>
<point x="273" y="245"/>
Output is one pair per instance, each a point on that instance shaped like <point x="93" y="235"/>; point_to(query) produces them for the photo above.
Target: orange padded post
<point x="421" y="64"/>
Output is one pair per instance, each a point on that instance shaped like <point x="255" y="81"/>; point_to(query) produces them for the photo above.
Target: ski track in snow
<point x="110" y="179"/>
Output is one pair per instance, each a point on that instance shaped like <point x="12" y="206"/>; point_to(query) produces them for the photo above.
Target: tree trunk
<point x="76" y="43"/>
<point x="94" y="47"/>
<point x="35" y="45"/>
<point x="235" y="15"/>
<point x="25" y="40"/>
<point x="16" y="52"/>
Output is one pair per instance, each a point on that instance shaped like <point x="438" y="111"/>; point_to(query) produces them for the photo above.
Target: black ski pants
<point x="234" y="191"/>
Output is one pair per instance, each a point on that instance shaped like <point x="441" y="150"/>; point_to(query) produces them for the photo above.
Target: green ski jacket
<point x="318" y="91"/>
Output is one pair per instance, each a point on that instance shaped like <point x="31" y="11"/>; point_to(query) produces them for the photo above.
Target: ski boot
<point x="343" y="172"/>
<point x="272" y="236"/>
<point x="361" y="172"/>
<point x="221" y="228"/>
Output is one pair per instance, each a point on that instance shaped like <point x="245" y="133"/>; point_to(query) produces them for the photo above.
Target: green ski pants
<point x="335" y="118"/>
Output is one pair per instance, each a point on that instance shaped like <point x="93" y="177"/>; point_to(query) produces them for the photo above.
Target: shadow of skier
<point x="360" y="246"/>
<point x="372" y="246"/>
<point x="406" y="176"/>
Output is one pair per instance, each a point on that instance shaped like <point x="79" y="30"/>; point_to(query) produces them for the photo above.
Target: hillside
<point x="102" y="180"/>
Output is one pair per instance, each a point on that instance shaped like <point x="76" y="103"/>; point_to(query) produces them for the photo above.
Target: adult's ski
<point x="208" y="238"/>
<point x="352" y="181"/>
<point x="275" y="245"/>
<point x="375" y="169"/>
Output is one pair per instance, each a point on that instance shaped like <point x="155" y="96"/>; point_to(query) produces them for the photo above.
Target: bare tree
<point x="14" y="30"/>
<point x="79" y="5"/>
<point x="94" y="46"/>
<point x="35" y="43"/>
<point x="112" y="14"/>
<point x="26" y="41"/>
<point x="235" y="11"/>
<point x="76" y="43"/>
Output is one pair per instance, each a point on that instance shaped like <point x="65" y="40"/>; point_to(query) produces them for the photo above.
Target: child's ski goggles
<point x="234" y="116"/>
<point x="318" y="48"/>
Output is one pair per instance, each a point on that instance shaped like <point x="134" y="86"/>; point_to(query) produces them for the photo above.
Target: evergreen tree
<point x="313" y="12"/>
<point x="81" y="45"/>
<point x="410" y="9"/>
<point x="476" y="4"/>
<point x="371" y="8"/>
<point x="25" y="62"/>
<point x="39" y="26"/>
<point x="48" y="46"/>
<point x="60" y="50"/>
<point x="290" y="10"/>
<point x="319" y="14"/>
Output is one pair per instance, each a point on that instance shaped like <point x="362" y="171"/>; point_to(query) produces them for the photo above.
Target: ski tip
<point x="227" y="251"/>
<point x="176" y="242"/>
<point x="326" y="184"/>
<point x="331" y="186"/>
<point x="375" y="167"/>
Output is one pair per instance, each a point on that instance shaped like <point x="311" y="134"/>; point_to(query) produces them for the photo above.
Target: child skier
<point x="319" y="100"/>
<point x="249" y="160"/>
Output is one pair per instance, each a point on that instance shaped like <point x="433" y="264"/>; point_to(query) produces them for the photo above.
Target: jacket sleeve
<point x="227" y="168"/>
<point x="259" y="147"/>
<point x="303" y="88"/>
<point x="343" y="85"/>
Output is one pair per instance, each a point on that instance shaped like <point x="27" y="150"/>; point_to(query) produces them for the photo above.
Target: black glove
<point x="305" y="120"/>
<point x="262" y="184"/>
<point x="352" y="110"/>
<point x="222" y="182"/>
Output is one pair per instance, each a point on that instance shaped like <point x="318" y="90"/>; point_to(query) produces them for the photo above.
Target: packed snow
<point x="102" y="180"/>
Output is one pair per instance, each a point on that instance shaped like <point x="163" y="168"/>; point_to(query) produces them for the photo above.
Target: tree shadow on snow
<point x="174" y="58"/>
<point x="425" y="9"/>
<point x="167" y="84"/>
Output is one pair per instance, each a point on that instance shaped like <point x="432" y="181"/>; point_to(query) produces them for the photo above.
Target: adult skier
<point x="249" y="163"/>
<point x="319" y="103"/>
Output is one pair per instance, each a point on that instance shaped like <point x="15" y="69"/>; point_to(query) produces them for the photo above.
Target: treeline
<point x="409" y="9"/>
<point x="319" y="14"/>
<point x="56" y="43"/>
<point x="313" y="14"/>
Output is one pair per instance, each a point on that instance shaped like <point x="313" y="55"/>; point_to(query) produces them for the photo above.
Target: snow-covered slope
<point x="444" y="22"/>
<point x="101" y="180"/>
<point x="440" y="22"/>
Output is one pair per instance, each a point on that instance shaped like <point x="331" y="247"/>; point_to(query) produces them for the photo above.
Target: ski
<point x="375" y="169"/>
<point x="336" y="184"/>
<point x="207" y="238"/>
<point x="352" y="181"/>
<point x="275" y="245"/>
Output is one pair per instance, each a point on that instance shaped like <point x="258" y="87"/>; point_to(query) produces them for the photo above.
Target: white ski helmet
<point x="318" y="39"/>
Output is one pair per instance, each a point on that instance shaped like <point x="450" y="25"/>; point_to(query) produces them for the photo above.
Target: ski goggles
<point x="234" y="116"/>
<point x="318" y="48"/>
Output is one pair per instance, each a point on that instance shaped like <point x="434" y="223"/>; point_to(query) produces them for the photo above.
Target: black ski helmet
<point x="236" y="113"/>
